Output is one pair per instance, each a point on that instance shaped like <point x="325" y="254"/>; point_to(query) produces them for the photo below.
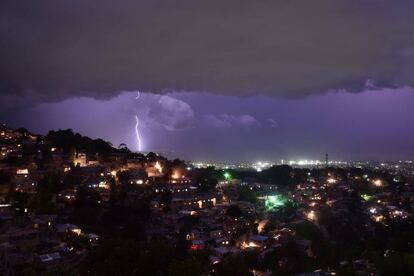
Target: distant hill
<point x="68" y="140"/>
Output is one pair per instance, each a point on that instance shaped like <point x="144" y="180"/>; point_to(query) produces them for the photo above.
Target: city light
<point x="378" y="218"/>
<point x="158" y="167"/>
<point x="76" y="231"/>
<point x="175" y="175"/>
<point x="311" y="216"/>
<point x="273" y="202"/>
<point x="366" y="197"/>
<point x="378" y="182"/>
<point x="331" y="180"/>
<point x="227" y="176"/>
<point x="22" y="171"/>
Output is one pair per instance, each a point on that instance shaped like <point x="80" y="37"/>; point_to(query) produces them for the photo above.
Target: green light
<point x="274" y="202"/>
<point x="227" y="176"/>
<point x="366" y="197"/>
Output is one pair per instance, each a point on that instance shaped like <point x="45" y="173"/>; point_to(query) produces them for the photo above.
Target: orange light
<point x="175" y="175"/>
<point x="378" y="182"/>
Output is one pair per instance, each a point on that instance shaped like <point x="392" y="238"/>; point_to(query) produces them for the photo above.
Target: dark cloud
<point x="59" y="49"/>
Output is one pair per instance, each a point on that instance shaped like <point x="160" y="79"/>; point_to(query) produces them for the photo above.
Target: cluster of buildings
<point x="217" y="219"/>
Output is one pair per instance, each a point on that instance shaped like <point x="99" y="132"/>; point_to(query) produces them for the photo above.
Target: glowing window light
<point x="22" y="171"/>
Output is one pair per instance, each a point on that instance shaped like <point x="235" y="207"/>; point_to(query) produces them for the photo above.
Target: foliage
<point x="165" y="199"/>
<point x="234" y="211"/>
<point x="279" y="175"/>
<point x="246" y="194"/>
<point x="5" y="177"/>
<point x="67" y="140"/>
<point x="239" y="264"/>
<point x="41" y="203"/>
<point x="129" y="257"/>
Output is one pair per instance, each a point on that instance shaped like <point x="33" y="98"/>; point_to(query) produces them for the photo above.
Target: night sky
<point x="230" y="81"/>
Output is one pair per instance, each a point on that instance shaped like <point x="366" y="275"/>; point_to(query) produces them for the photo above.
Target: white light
<point x="158" y="167"/>
<point x="331" y="180"/>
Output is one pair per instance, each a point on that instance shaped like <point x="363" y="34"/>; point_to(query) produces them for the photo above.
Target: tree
<point x="123" y="178"/>
<point x="279" y="175"/>
<point x="18" y="199"/>
<point x="87" y="210"/>
<point x="129" y="257"/>
<point x="240" y="264"/>
<point x="246" y="194"/>
<point x="406" y="204"/>
<point x="189" y="266"/>
<point x="41" y="203"/>
<point x="112" y="192"/>
<point x="287" y="212"/>
<point x="234" y="211"/>
<point x="165" y="199"/>
<point x="5" y="178"/>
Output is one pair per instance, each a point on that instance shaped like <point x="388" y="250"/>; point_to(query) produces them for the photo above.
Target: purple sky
<point x="263" y="69"/>
<point x="375" y="124"/>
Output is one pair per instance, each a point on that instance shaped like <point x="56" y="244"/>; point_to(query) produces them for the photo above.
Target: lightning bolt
<point x="137" y="126"/>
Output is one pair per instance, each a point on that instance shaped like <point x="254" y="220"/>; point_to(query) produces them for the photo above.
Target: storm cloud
<point x="170" y="113"/>
<point x="227" y="120"/>
<point x="52" y="50"/>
